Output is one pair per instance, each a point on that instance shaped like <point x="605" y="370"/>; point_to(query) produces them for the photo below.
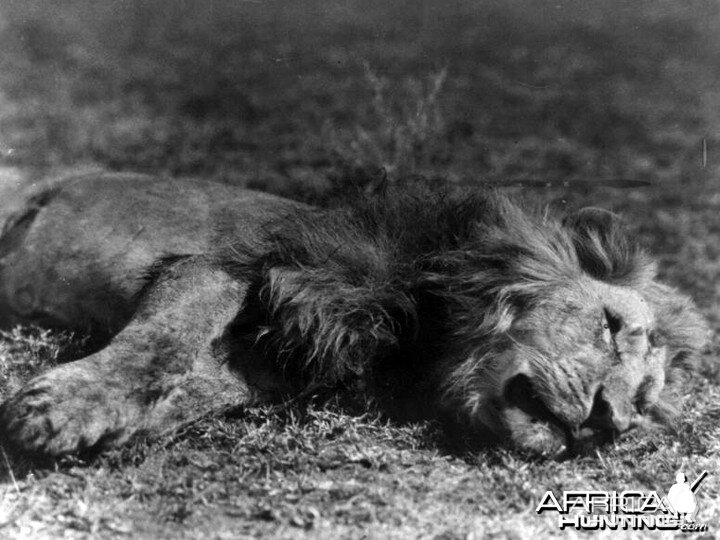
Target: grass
<point x="310" y="98"/>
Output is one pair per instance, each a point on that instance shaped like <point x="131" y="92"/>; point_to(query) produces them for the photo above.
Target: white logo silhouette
<point x="682" y="496"/>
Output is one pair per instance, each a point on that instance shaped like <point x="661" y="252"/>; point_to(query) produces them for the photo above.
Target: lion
<point x="505" y="325"/>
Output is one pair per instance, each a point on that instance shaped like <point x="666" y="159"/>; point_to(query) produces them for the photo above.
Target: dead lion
<point x="505" y="325"/>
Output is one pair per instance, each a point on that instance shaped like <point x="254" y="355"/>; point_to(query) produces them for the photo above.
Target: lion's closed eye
<point x="606" y="333"/>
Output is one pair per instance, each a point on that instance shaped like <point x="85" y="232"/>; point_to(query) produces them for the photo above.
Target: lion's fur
<point x="432" y="301"/>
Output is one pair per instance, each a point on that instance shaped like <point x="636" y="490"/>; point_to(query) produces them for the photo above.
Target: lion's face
<point x="580" y="366"/>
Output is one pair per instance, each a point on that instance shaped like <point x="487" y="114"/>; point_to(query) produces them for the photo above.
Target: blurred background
<point x="290" y="95"/>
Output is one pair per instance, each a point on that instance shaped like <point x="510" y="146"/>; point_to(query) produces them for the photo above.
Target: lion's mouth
<point x="520" y="393"/>
<point x="537" y="428"/>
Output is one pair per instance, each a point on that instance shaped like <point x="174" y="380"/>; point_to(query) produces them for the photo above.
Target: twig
<point x="12" y="476"/>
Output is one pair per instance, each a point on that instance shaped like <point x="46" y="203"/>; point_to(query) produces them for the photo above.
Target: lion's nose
<point x="608" y="414"/>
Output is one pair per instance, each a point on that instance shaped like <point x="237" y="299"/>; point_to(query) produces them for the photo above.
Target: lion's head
<point x="543" y="333"/>
<point x="564" y="338"/>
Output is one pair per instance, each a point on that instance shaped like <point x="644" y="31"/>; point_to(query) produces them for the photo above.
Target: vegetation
<point x="311" y="98"/>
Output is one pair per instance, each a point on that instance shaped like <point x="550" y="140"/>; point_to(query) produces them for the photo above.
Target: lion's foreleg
<point x="167" y="367"/>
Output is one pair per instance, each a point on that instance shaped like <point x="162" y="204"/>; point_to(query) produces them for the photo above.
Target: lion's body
<point x="78" y="253"/>
<point x="464" y="308"/>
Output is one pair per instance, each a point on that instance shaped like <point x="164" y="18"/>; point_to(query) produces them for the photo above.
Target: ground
<point x="559" y="102"/>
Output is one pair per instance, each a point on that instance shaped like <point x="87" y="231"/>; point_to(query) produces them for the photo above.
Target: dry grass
<point x="403" y="131"/>
<point x="301" y="98"/>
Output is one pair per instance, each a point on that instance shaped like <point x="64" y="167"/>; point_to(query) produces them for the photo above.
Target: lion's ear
<point x="592" y="220"/>
<point x="605" y="248"/>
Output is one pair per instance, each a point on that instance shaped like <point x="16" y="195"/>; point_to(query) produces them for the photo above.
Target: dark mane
<point x="344" y="287"/>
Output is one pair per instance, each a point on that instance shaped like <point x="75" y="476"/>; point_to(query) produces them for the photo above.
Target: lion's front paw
<point x="63" y="411"/>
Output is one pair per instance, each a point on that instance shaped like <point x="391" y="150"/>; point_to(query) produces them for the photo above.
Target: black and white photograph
<point x="363" y="269"/>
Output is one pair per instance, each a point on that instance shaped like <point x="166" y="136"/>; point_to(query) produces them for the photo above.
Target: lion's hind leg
<point x="166" y="368"/>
